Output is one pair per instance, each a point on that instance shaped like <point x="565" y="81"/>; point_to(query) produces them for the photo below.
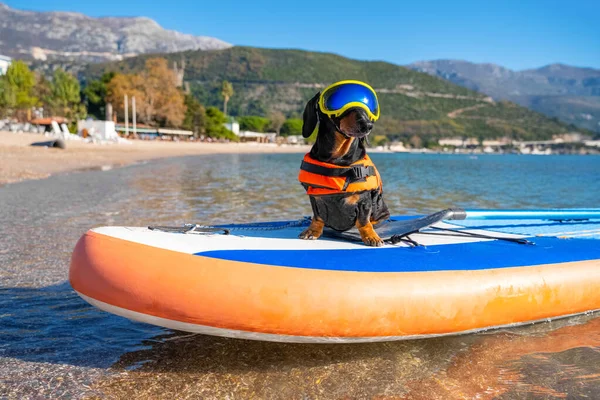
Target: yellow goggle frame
<point x="338" y="112"/>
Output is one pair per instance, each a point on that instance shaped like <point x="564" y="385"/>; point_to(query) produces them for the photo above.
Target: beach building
<point x="233" y="126"/>
<point x="592" y="143"/>
<point x="147" y="132"/>
<point x="454" y="141"/>
<point x="99" y="130"/>
<point x="249" y="136"/>
<point x="571" y="137"/>
<point x="459" y="142"/>
<point x="4" y="64"/>
<point x="295" y="139"/>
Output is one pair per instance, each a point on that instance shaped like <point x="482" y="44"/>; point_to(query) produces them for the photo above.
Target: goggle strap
<point x="318" y="108"/>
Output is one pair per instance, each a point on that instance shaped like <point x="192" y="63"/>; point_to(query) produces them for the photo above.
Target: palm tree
<point x="226" y="92"/>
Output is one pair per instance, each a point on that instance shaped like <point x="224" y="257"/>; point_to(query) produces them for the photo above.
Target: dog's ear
<point x="311" y="116"/>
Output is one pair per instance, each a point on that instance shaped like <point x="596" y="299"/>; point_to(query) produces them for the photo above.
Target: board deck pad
<point x="399" y="228"/>
<point x="551" y="242"/>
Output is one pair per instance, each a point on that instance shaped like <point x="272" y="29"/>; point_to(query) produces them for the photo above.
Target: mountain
<point x="266" y="80"/>
<point x="63" y="36"/>
<point x="571" y="94"/>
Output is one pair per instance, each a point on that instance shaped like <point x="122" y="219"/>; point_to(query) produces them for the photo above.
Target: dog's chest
<point x="337" y="211"/>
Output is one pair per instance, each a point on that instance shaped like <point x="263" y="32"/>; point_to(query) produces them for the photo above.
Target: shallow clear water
<point x="52" y="344"/>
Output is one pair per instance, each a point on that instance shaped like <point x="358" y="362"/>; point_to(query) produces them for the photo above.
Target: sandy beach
<point x="21" y="161"/>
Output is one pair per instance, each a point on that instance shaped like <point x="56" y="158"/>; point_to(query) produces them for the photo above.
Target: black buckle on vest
<point x="359" y="172"/>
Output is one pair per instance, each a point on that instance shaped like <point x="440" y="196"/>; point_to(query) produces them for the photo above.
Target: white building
<point x="233" y="126"/>
<point x="592" y="143"/>
<point x="99" y="130"/>
<point x="249" y="136"/>
<point x="4" y="64"/>
<point x="295" y="139"/>
<point x="457" y="142"/>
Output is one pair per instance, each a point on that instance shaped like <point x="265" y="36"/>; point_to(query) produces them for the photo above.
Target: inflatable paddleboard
<point x="434" y="276"/>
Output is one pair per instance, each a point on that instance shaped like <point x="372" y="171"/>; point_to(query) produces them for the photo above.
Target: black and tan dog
<point x="343" y="184"/>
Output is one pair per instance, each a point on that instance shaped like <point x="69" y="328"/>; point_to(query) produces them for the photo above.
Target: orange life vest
<point x="321" y="178"/>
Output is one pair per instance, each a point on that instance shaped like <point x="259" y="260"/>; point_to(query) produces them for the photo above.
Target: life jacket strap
<point x="355" y="173"/>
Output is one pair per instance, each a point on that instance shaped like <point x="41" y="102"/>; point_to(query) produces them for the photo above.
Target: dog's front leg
<point x="365" y="227"/>
<point x="314" y="231"/>
<point x="368" y="235"/>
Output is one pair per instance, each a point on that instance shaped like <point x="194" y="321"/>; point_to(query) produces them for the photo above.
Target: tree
<point x="121" y="85"/>
<point x="7" y="97"/>
<point x="195" y="116"/>
<point x="96" y="93"/>
<point x="277" y="119"/>
<point x="416" y="142"/>
<point x="65" y="97"/>
<point x="158" y="100"/>
<point x="162" y="101"/>
<point x="21" y="82"/>
<point x="226" y="92"/>
<point x="379" y="140"/>
<point x="254" y="123"/>
<point x="292" y="126"/>
<point x="43" y="90"/>
<point x="215" y="127"/>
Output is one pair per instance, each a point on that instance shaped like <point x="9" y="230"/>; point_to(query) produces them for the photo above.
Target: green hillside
<point x="412" y="103"/>
<point x="583" y="111"/>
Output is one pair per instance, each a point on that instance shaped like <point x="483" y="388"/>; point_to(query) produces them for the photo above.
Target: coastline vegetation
<point x="265" y="90"/>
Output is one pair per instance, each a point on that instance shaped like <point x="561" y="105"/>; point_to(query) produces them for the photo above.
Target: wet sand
<point x="21" y="161"/>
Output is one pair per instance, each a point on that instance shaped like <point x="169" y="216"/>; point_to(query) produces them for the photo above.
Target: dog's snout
<point x="356" y="123"/>
<point x="364" y="125"/>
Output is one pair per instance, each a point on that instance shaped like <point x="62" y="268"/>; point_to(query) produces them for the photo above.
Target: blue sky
<point x="516" y="34"/>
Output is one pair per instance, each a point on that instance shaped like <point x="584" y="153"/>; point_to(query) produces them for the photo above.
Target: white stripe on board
<point x="283" y="239"/>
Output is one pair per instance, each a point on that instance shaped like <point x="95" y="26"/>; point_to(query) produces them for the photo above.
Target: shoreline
<point x="21" y="161"/>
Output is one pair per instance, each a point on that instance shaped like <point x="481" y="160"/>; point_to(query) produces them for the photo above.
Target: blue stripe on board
<point x="454" y="257"/>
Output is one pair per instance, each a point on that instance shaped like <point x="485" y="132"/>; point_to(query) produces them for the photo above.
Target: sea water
<point x="53" y="344"/>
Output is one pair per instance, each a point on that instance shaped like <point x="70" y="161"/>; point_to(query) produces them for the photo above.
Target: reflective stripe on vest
<point x="321" y="178"/>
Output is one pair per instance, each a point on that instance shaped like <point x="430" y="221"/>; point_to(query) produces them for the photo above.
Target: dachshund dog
<point x="339" y="153"/>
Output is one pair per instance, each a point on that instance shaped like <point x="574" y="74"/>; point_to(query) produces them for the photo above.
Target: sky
<point x="515" y="34"/>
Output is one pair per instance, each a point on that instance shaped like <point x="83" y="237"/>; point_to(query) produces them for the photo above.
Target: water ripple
<point x="53" y="344"/>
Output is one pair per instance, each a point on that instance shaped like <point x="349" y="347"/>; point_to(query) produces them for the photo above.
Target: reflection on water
<point x="558" y="358"/>
<point x="537" y="360"/>
<point x="53" y="344"/>
<point x="62" y="343"/>
<point x="50" y="325"/>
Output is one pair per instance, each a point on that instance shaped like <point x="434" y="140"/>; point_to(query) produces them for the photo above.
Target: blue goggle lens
<point x="337" y="97"/>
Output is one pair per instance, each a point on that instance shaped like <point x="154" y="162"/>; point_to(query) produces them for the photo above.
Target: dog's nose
<point x="365" y="125"/>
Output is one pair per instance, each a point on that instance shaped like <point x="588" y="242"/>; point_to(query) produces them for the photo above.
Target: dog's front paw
<point x="371" y="238"/>
<point x="311" y="233"/>
<point x="314" y="231"/>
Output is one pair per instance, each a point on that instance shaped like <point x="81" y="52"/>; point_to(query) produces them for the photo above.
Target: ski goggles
<point x="336" y="99"/>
